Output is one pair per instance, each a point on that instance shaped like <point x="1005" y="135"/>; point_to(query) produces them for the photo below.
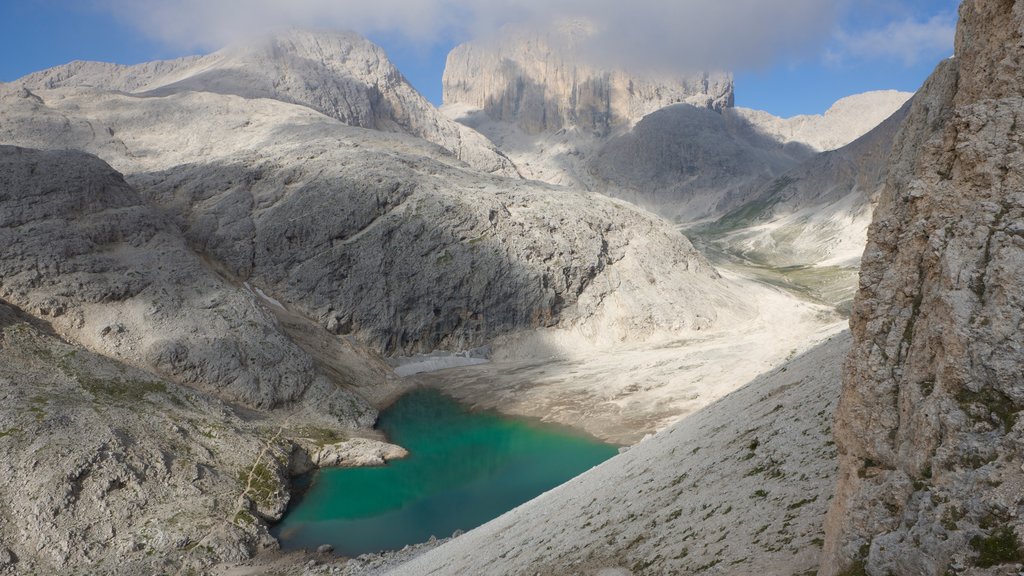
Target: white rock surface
<point x="845" y="121"/>
<point x="422" y="254"/>
<point x="357" y="452"/>
<point x="341" y="75"/>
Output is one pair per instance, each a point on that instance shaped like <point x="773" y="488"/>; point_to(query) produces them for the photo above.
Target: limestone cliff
<point x="928" y="427"/>
<point x="541" y="82"/>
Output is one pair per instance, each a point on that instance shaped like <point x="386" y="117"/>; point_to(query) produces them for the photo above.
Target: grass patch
<point x="320" y="435"/>
<point x="117" y="389"/>
<point x="260" y="484"/>
<point x="1001" y="546"/>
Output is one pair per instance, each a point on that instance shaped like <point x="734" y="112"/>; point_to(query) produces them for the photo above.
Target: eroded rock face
<point x="541" y="83"/>
<point x="110" y="469"/>
<point x="931" y="476"/>
<point x="83" y="248"/>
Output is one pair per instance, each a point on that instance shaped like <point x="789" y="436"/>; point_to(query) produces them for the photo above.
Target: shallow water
<point x="464" y="469"/>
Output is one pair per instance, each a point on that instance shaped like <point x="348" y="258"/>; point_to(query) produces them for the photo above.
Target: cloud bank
<point x="677" y="34"/>
<point x="908" y="41"/>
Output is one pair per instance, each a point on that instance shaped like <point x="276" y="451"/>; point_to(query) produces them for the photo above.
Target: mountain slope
<point x="845" y="121"/>
<point x="85" y="251"/>
<point x="675" y="146"/>
<point x="713" y="492"/>
<point x="341" y="75"/>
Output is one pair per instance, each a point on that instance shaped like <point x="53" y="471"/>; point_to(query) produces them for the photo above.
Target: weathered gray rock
<point x="358" y="452"/>
<point x="110" y="469"/>
<point x="342" y="75"/>
<point x="928" y="426"/>
<point x="84" y="249"/>
<point x="845" y="121"/>
<point x="689" y="163"/>
<point x="541" y="82"/>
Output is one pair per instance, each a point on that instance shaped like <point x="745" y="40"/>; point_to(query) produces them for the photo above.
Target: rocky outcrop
<point x="357" y="452"/>
<point x="928" y="426"/>
<point x="845" y="121"/>
<point x="110" y="469"/>
<point x="342" y="75"/>
<point x="84" y="249"/>
<point x="541" y="82"/>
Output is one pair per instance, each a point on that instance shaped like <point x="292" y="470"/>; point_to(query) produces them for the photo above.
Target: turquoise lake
<point x="464" y="468"/>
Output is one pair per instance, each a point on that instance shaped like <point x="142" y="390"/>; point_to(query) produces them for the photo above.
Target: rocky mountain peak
<point x="339" y="74"/>
<point x="542" y="82"/>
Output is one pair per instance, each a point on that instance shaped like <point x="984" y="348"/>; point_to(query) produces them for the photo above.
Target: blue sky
<point x="793" y="62"/>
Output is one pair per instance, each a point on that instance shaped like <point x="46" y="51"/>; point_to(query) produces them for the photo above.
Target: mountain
<point x="420" y="255"/>
<point x="928" y="424"/>
<point x="109" y="272"/>
<point x="252" y="255"/>
<point x="808" y="227"/>
<point x="341" y="75"/>
<point x="541" y="82"/>
<point x="673" y="145"/>
<point x="845" y="121"/>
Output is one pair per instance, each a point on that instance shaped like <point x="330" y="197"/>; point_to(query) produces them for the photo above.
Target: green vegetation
<point x="801" y="503"/>
<point x="858" y="568"/>
<point x="244" y="518"/>
<point x="320" y="435"/>
<point x="120" y="390"/>
<point x="1001" y="546"/>
<point x="260" y="484"/>
<point x="993" y="401"/>
<point x="752" y="211"/>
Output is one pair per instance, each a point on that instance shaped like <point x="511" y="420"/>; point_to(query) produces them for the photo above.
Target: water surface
<point x="464" y="468"/>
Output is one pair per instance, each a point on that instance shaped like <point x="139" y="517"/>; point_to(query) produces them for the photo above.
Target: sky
<point x="788" y="56"/>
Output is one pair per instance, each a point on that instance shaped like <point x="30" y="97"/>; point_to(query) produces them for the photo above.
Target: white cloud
<point x="908" y="41"/>
<point x="682" y="34"/>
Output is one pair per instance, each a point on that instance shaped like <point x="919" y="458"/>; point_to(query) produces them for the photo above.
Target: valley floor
<point x="621" y="395"/>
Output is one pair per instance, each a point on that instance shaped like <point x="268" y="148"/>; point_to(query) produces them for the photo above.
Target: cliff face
<point x="931" y="477"/>
<point x="540" y="83"/>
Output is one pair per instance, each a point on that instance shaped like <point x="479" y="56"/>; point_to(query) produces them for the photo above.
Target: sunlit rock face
<point x="928" y="426"/>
